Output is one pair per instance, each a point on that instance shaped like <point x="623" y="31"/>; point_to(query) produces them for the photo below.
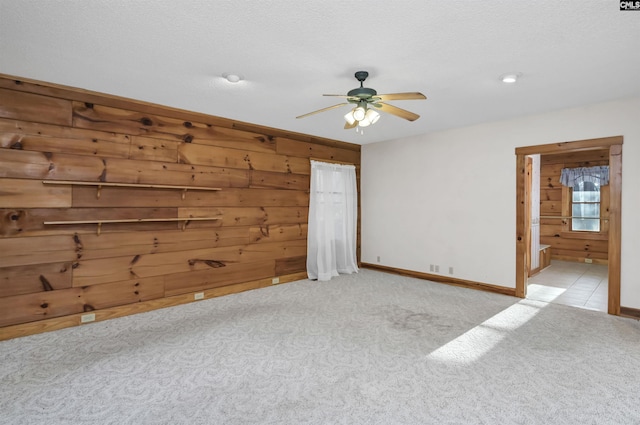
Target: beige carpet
<point x="370" y="348"/>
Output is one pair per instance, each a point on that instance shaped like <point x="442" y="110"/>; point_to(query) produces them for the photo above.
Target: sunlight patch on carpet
<point x="475" y="343"/>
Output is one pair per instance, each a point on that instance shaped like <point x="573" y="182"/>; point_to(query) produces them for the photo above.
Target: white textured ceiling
<point x="290" y="52"/>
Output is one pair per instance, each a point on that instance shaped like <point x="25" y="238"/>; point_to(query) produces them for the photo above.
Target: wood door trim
<point x="521" y="227"/>
<point x="527" y="205"/>
<point x="615" y="227"/>
<point x="579" y="145"/>
<point x="614" y="144"/>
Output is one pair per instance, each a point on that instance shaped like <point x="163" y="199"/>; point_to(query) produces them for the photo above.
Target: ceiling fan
<point x="366" y="102"/>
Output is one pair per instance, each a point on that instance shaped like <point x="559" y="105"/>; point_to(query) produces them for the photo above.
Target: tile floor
<point x="576" y="284"/>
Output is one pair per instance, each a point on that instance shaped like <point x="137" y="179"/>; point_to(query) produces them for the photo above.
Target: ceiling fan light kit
<point x="359" y="113"/>
<point x="349" y="118"/>
<point x="510" y="78"/>
<point x="367" y="100"/>
<point x="370" y="118"/>
<point x="232" y="78"/>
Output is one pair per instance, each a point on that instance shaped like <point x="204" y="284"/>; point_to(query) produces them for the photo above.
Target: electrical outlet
<point x="275" y="280"/>
<point x="588" y="260"/>
<point x="198" y="296"/>
<point x="437" y="268"/>
<point x="86" y="318"/>
<point x="450" y="270"/>
<point x="431" y="268"/>
<point x="378" y="258"/>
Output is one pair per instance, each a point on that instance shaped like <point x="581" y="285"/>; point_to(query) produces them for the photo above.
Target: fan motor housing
<point x="362" y="92"/>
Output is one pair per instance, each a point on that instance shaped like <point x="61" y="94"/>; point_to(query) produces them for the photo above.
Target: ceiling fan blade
<point x="394" y="110"/>
<point x="350" y="99"/>
<point x="322" y="110"/>
<point x="347" y="126"/>
<point x="401" y="96"/>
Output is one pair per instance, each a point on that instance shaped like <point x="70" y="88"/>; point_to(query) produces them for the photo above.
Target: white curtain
<point x="333" y="217"/>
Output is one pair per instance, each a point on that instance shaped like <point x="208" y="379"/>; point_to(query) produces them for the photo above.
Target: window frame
<point x="567" y="211"/>
<point x="574" y="203"/>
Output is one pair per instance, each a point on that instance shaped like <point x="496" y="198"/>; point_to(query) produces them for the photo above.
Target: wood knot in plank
<point x="88" y="105"/>
<point x="45" y="284"/>
<point x="211" y="263"/>
<point x="17" y="145"/>
<point x="187" y="138"/>
<point x="88" y="307"/>
<point x="146" y="121"/>
<point x="77" y="241"/>
<point x="247" y="159"/>
<point x="44" y="305"/>
<point x="187" y="124"/>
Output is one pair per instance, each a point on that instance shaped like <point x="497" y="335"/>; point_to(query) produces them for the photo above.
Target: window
<point x="333" y="221"/>
<point x="585" y="204"/>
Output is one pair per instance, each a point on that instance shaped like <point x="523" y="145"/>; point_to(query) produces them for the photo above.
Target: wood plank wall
<point x="49" y="132"/>
<point x="565" y="246"/>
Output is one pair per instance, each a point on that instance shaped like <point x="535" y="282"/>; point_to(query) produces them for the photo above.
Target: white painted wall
<point x="448" y="198"/>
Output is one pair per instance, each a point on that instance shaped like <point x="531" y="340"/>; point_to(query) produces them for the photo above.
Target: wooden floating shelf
<point x="185" y="220"/>
<point x="100" y="185"/>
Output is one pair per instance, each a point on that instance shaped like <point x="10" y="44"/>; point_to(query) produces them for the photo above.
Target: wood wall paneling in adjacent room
<point x="565" y="245"/>
<point x="255" y="227"/>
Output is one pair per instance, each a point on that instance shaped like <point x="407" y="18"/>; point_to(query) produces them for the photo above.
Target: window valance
<point x="587" y="174"/>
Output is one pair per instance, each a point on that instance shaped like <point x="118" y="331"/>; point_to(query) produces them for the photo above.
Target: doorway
<point x="523" y="214"/>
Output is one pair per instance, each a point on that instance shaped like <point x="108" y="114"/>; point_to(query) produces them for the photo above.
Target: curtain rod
<point x="567" y="217"/>
<point x="331" y="161"/>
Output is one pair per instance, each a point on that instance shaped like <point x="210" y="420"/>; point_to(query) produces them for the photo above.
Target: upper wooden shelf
<point x="100" y="185"/>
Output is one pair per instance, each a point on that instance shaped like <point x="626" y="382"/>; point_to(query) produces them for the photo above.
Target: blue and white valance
<point x="598" y="175"/>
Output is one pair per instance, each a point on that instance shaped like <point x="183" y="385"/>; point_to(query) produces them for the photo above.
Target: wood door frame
<point x="614" y="145"/>
<point x="528" y="162"/>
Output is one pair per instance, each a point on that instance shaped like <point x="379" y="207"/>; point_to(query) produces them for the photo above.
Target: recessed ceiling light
<point x="232" y="78"/>
<point x="510" y="78"/>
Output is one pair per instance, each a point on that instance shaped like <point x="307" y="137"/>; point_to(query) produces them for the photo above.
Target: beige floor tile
<point x="575" y="284"/>
<point x="580" y="290"/>
<point x="542" y="297"/>
<point x="596" y="305"/>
